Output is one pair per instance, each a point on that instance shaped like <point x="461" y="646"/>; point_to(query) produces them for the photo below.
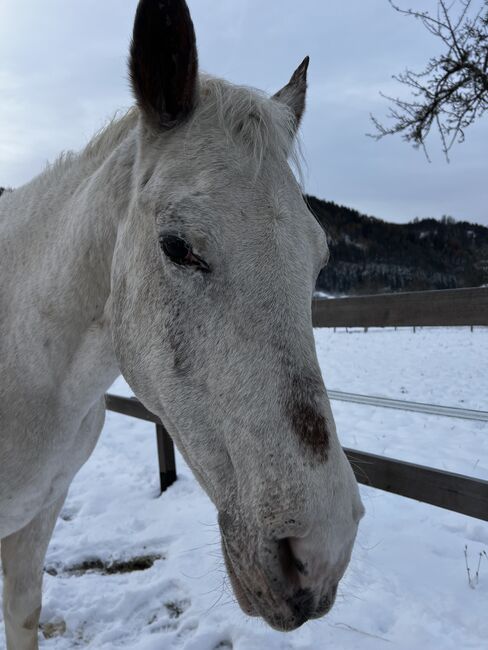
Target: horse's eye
<point x="179" y="252"/>
<point x="176" y="248"/>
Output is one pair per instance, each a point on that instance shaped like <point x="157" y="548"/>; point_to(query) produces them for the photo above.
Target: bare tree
<point x="451" y="92"/>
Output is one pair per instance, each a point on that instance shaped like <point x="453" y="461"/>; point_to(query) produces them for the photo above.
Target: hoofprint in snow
<point x="127" y="568"/>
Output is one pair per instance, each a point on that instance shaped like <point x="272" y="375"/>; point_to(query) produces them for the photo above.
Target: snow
<point x="406" y="586"/>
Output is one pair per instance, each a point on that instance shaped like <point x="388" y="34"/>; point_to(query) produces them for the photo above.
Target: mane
<point x="245" y="115"/>
<point x="100" y="145"/>
<point x="112" y="134"/>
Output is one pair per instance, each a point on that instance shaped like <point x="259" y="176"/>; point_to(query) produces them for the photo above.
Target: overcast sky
<point x="63" y="73"/>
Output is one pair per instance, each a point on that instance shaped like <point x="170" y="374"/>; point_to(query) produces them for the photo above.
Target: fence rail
<point x="404" y="405"/>
<point x="453" y="307"/>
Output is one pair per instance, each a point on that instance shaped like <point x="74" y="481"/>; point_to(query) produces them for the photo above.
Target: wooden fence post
<point x="166" y="458"/>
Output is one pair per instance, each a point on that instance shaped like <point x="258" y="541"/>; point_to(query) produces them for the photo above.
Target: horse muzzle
<point x="277" y="586"/>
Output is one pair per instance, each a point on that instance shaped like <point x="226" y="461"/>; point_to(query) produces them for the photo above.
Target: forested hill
<point x="369" y="255"/>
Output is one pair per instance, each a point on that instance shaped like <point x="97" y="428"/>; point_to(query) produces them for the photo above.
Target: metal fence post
<point x="166" y="458"/>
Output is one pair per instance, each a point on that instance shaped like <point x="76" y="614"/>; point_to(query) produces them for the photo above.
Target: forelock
<point x="248" y="119"/>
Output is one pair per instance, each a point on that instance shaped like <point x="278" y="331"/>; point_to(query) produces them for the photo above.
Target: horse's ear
<point x="293" y="94"/>
<point x="163" y="63"/>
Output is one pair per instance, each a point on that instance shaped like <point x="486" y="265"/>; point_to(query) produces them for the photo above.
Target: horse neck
<point x="81" y="207"/>
<point x="104" y="205"/>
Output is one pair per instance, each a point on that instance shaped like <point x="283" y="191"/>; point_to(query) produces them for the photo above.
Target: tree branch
<point x="451" y="92"/>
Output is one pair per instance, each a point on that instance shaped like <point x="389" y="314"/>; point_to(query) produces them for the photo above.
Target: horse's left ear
<point x="293" y="94"/>
<point x="163" y="63"/>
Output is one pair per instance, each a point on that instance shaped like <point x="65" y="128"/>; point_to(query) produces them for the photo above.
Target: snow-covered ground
<point x="407" y="585"/>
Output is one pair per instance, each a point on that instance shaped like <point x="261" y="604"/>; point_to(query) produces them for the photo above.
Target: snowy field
<point x="406" y="586"/>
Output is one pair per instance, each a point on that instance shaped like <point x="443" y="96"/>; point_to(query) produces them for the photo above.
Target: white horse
<point x="176" y="248"/>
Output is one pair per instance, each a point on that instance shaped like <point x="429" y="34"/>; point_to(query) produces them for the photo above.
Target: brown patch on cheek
<point x="176" y="339"/>
<point x="181" y="330"/>
<point x="307" y="422"/>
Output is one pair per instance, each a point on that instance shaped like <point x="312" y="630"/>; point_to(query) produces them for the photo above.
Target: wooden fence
<point x="457" y="307"/>
<point x="445" y="308"/>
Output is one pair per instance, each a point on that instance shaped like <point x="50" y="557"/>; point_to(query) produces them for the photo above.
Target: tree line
<point x="369" y="255"/>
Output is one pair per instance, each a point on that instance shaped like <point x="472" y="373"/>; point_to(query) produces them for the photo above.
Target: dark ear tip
<point x="303" y="67"/>
<point x="301" y="71"/>
<point x="162" y="5"/>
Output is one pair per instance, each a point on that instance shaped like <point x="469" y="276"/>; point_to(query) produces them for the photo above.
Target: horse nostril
<point x="300" y="600"/>
<point x="290" y="565"/>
